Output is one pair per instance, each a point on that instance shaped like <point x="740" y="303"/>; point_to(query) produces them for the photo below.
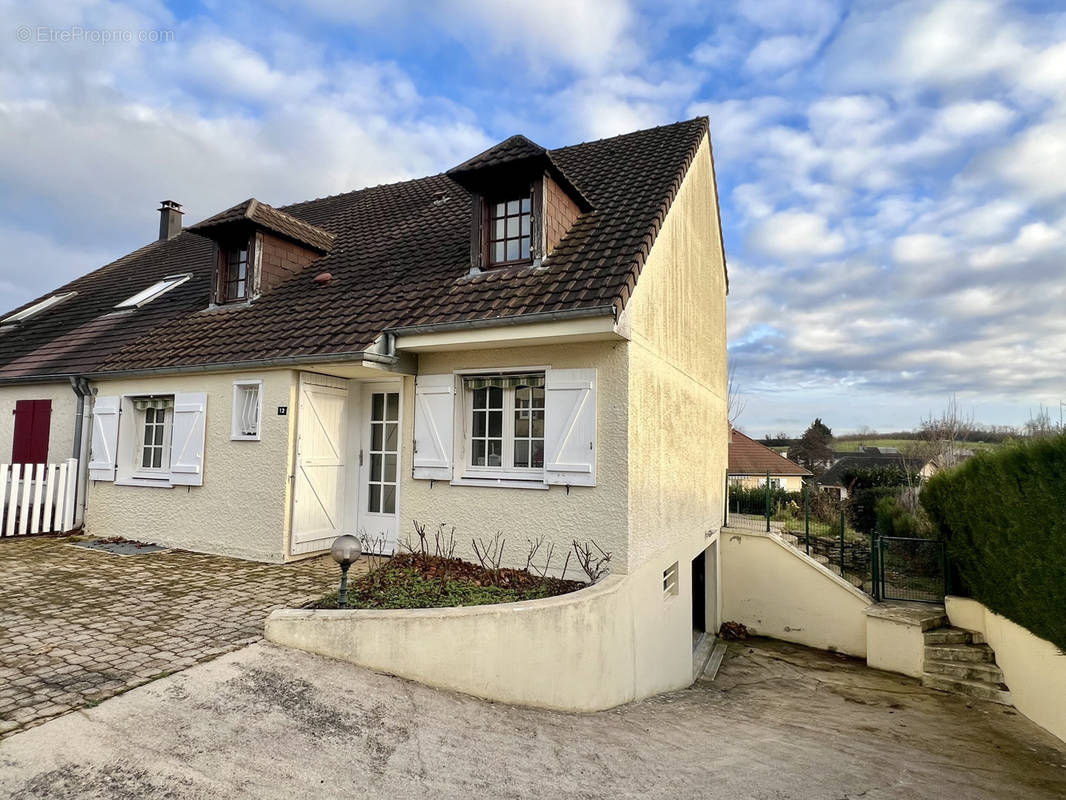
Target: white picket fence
<point x="37" y="498"/>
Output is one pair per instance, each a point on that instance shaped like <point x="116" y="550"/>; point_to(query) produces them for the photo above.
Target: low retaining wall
<point x="1033" y="668"/>
<point x="777" y="591"/>
<point x="574" y="652"/>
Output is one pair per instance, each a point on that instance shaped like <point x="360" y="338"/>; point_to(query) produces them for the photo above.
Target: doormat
<point x="122" y="548"/>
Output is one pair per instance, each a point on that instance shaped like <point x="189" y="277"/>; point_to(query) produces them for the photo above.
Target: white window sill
<point x="162" y="482"/>
<point x="254" y="438"/>
<point x="502" y="483"/>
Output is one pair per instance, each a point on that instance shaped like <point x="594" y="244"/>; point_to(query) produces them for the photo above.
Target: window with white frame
<point x="247" y="410"/>
<point x="154" y="420"/>
<point x="505" y="423"/>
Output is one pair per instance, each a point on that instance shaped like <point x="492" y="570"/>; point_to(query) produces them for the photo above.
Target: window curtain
<point x="158" y="403"/>
<point x="503" y="381"/>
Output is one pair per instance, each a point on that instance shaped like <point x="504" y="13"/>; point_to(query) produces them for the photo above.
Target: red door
<point x="33" y="420"/>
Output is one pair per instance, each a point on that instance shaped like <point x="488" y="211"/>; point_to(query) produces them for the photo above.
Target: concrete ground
<point x="78" y="626"/>
<point x="780" y="722"/>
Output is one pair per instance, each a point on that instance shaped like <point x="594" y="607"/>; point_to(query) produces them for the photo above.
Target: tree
<point x="814" y="449"/>
<point x="941" y="438"/>
<point x="735" y="402"/>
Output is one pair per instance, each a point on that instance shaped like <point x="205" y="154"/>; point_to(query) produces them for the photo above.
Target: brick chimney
<point x="169" y="219"/>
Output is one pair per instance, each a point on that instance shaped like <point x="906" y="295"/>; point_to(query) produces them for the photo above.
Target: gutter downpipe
<point x="82" y="430"/>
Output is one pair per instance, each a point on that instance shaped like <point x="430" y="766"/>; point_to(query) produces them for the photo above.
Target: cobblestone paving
<point x="78" y="626"/>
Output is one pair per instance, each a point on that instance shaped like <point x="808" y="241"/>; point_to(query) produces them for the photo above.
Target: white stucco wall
<point x="1033" y="668"/>
<point x="590" y="650"/>
<point x="64" y="406"/>
<point x="678" y="427"/>
<point x="777" y="591"/>
<point x="585" y="513"/>
<point x="241" y="509"/>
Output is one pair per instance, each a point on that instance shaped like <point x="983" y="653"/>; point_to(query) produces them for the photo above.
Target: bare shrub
<point x="594" y="564"/>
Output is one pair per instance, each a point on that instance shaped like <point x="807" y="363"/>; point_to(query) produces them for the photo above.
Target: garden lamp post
<point x="345" y="550"/>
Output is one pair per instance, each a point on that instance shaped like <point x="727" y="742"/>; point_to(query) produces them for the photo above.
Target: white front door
<point x="318" y="491"/>
<point x="379" y="464"/>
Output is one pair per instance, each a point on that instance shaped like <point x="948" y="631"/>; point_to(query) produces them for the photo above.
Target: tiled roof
<point x="400" y="258"/>
<point x="261" y="214"/>
<point x="834" y="476"/>
<point x="748" y="457"/>
<point x="517" y="148"/>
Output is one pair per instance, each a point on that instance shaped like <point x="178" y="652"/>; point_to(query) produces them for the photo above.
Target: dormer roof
<point x="254" y="213"/>
<point x="513" y="159"/>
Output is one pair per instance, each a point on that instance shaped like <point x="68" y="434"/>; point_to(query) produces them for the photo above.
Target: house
<point x="750" y="462"/>
<point x="834" y="480"/>
<point x="532" y="342"/>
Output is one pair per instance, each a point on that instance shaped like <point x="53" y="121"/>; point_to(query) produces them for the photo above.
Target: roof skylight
<point x="155" y="290"/>
<point x="36" y="308"/>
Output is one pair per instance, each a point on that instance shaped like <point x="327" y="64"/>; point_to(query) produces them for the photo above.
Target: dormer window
<point x="510" y="231"/>
<point x="235" y="260"/>
<point x="235" y="277"/>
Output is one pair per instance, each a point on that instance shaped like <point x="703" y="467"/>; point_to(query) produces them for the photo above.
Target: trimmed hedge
<point x="1003" y="516"/>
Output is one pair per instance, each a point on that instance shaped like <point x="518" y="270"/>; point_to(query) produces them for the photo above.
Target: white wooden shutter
<point x="434" y="417"/>
<point x="187" y="442"/>
<point x="105" y="439"/>
<point x="570" y="427"/>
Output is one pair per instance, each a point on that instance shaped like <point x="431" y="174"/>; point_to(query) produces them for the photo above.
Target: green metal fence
<point x="910" y="569"/>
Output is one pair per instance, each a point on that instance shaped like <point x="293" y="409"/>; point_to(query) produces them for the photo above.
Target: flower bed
<point x="420" y="580"/>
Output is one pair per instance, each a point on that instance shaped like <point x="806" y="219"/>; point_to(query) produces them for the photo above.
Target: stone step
<point x="948" y="636"/>
<point x="978" y="689"/>
<point x="967" y="670"/>
<point x="960" y="652"/>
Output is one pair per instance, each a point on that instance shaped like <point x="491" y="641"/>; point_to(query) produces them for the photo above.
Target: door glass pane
<point x="383" y="452"/>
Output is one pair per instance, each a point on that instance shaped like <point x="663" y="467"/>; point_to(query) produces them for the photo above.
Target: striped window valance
<point x="503" y="381"/>
<point x="158" y="403"/>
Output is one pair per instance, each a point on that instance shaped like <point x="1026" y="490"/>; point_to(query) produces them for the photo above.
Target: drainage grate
<point x="122" y="548"/>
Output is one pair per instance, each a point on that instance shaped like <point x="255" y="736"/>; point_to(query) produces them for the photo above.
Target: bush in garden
<point x="1003" y="516"/>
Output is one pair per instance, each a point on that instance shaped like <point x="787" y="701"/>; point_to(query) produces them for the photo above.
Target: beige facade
<point x="64" y="408"/>
<point x="242" y="507"/>
<point x="790" y="483"/>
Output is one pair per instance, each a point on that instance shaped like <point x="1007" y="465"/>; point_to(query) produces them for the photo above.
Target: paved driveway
<point x="78" y="626"/>
<point x="780" y="723"/>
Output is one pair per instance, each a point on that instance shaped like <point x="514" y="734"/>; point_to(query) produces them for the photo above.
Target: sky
<point x="892" y="176"/>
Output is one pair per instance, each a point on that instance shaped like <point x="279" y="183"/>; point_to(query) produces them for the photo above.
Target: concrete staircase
<point x="959" y="661"/>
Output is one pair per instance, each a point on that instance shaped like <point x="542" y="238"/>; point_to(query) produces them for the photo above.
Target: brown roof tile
<point x="748" y="457"/>
<point x="399" y="257"/>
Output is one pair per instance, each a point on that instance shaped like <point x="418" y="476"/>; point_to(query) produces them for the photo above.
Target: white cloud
<point x="779" y="53"/>
<point x="974" y="118"/>
<point x="796" y="235"/>
<point x="1036" y="160"/>
<point x="921" y="249"/>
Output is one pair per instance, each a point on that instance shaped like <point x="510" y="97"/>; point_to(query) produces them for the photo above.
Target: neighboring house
<point x="834" y="480"/>
<point x="531" y="343"/>
<point x="749" y="463"/>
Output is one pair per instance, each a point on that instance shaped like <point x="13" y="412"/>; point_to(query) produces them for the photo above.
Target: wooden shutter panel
<point x="434" y="418"/>
<point x="187" y="442"/>
<point x="105" y="439"/>
<point x="570" y="427"/>
<point x="33" y="421"/>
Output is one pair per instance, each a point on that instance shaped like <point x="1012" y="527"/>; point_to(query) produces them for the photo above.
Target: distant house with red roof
<point x="750" y="462"/>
